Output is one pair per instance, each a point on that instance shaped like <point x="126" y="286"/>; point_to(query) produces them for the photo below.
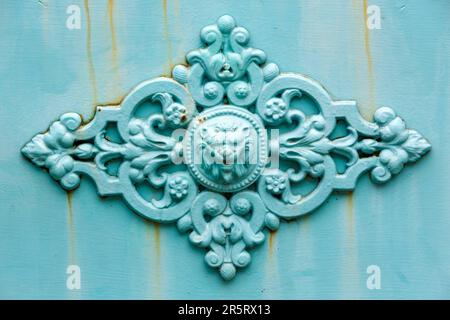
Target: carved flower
<point x="275" y="108"/>
<point x="211" y="207"/>
<point x="276" y="183"/>
<point x="241" y="90"/>
<point x="211" y="90"/>
<point x="175" y="113"/>
<point x="241" y="206"/>
<point x="178" y="188"/>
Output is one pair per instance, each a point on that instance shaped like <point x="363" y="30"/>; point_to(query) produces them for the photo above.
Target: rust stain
<point x="71" y="228"/>
<point x="271" y="241"/>
<point x="367" y="82"/>
<point x="351" y="263"/>
<point x="91" y="69"/>
<point x="370" y="73"/>
<point x="350" y="211"/>
<point x="169" y="65"/>
<point x="111" y="103"/>
<point x="112" y="29"/>
<point x="114" y="48"/>
<point x="157" y="240"/>
<point x="272" y="271"/>
<point x="201" y="120"/>
<point x="367" y="39"/>
<point x="154" y="235"/>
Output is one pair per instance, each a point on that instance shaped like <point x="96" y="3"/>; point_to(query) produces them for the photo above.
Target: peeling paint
<point x="91" y="69"/>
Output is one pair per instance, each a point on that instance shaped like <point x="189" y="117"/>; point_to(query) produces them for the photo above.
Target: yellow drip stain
<point x="112" y="29"/>
<point x="71" y="228"/>
<point x="111" y="103"/>
<point x="114" y="48"/>
<point x="154" y="235"/>
<point x="90" y="59"/>
<point x="157" y="241"/>
<point x="367" y="82"/>
<point x="71" y="234"/>
<point x="367" y="40"/>
<point x="351" y="269"/>
<point x="271" y="241"/>
<point x="370" y="73"/>
<point x="169" y="65"/>
<point x="272" y="267"/>
<point x="350" y="211"/>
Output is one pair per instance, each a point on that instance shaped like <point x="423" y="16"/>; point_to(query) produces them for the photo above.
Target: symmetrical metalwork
<point x="230" y="150"/>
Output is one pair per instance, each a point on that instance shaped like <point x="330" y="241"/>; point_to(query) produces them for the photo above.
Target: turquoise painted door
<point x="97" y="59"/>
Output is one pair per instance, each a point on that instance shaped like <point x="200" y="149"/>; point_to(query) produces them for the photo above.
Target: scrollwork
<point x="228" y="231"/>
<point x="226" y="67"/>
<point x="55" y="151"/>
<point x="396" y="145"/>
<point x="235" y="179"/>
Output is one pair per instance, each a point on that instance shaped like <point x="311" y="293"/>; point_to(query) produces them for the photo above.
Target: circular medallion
<point x="225" y="148"/>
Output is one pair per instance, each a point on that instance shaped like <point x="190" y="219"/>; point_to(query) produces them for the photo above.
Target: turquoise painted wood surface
<point x="48" y="69"/>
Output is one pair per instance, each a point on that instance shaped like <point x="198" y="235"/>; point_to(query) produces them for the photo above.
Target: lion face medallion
<point x="226" y="148"/>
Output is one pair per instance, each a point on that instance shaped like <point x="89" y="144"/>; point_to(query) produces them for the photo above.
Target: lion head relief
<point x="225" y="151"/>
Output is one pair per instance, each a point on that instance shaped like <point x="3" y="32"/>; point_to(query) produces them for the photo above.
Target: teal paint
<point x="216" y="132"/>
<point x="401" y="226"/>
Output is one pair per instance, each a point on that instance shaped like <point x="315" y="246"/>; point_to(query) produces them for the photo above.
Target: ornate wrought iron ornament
<point x="230" y="150"/>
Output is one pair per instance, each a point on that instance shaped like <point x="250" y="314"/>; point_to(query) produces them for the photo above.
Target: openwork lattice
<point x="231" y="148"/>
